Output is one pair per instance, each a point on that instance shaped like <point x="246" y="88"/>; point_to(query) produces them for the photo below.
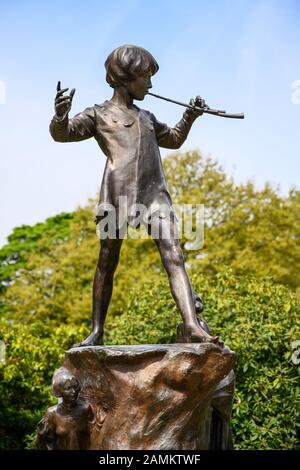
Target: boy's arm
<point x="173" y="138"/>
<point x="63" y="129"/>
<point x="80" y="127"/>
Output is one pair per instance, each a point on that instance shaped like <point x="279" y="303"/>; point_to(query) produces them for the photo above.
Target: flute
<point x="214" y="112"/>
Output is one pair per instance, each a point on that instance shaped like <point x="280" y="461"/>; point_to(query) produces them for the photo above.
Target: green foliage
<point x="250" y="230"/>
<point x="56" y="279"/>
<point x="258" y="320"/>
<point x="25" y="240"/>
<point x="247" y="271"/>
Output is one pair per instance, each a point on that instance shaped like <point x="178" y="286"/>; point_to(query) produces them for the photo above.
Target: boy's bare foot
<point x="94" y="339"/>
<point x="194" y="334"/>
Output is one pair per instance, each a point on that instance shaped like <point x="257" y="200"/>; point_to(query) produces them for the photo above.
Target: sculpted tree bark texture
<point x="222" y="399"/>
<point x="150" y="396"/>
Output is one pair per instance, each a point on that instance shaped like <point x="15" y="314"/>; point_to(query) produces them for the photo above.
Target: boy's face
<point x="70" y="391"/>
<point x="139" y="87"/>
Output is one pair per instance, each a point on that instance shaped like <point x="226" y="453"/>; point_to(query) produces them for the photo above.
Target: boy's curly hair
<point x="128" y="62"/>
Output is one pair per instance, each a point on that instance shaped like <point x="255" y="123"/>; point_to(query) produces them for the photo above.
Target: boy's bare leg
<point x="180" y="285"/>
<point x="103" y="287"/>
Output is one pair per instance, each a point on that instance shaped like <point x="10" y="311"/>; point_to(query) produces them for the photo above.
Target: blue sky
<point x="239" y="55"/>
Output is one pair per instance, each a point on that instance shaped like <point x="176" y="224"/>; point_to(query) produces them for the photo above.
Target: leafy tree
<point x="250" y="230"/>
<point x="26" y="240"/>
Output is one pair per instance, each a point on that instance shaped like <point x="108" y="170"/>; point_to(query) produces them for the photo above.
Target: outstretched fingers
<point x="60" y="97"/>
<point x="63" y="102"/>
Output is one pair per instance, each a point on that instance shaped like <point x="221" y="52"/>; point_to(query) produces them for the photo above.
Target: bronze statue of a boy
<point x="130" y="138"/>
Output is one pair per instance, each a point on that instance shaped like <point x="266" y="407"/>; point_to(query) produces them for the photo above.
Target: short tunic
<point x="130" y="139"/>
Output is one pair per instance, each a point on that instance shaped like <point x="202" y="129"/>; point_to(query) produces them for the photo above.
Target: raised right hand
<point x="63" y="103"/>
